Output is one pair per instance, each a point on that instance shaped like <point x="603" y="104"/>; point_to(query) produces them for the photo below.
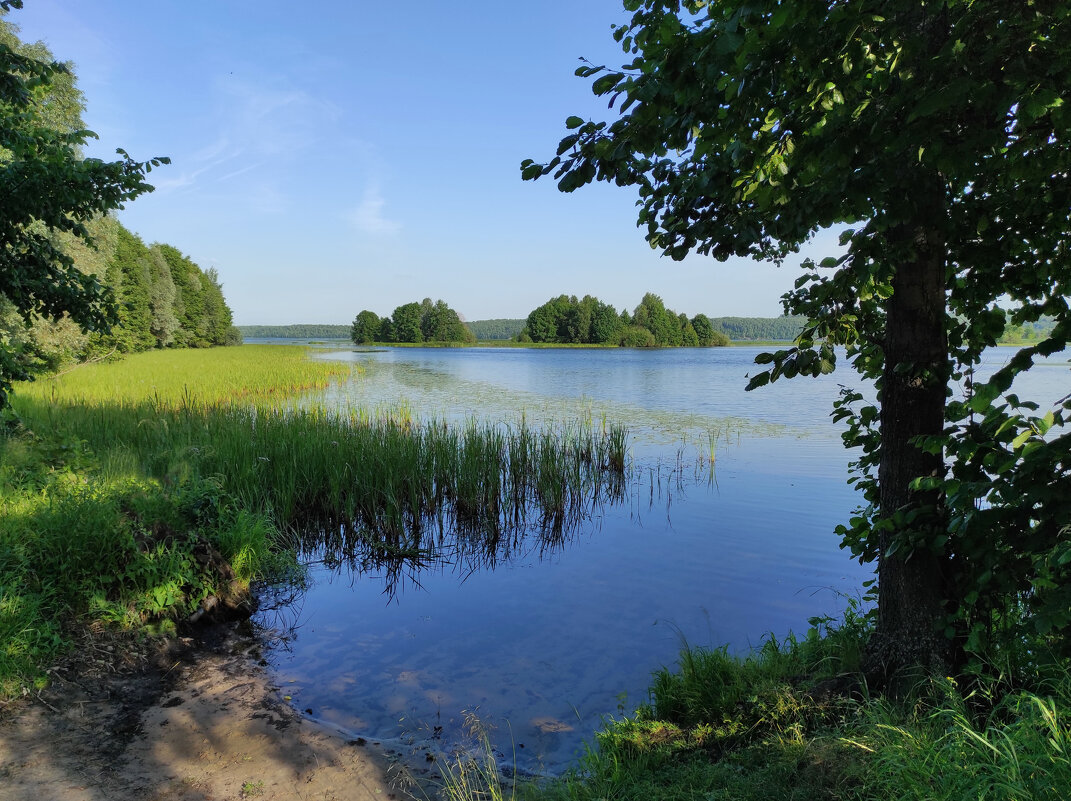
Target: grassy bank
<point x="135" y="492"/>
<point x="793" y="720"/>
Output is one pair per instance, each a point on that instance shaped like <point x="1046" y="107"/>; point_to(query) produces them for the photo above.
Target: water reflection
<point x="544" y="629"/>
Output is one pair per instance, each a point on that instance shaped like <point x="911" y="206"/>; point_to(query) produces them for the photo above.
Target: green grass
<point x="793" y="720"/>
<point x="188" y="378"/>
<point x="953" y="746"/>
<point x="83" y="547"/>
<point x="136" y="489"/>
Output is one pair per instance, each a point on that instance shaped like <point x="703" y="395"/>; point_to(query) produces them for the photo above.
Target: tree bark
<point x="911" y="597"/>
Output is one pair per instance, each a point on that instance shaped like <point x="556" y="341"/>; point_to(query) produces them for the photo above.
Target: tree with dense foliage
<point x="938" y="136"/>
<point x="50" y="189"/>
<point x="440" y="323"/>
<point x="405" y="323"/>
<point x="706" y="332"/>
<point x="366" y="327"/>
<point x="427" y="321"/>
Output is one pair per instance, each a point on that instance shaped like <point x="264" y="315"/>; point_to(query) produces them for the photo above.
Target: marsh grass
<point x="384" y="479"/>
<point x="137" y="472"/>
<point x="377" y="478"/>
<point x="189" y="378"/>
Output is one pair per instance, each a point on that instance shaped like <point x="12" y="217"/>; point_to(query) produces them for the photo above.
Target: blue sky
<point x="329" y="157"/>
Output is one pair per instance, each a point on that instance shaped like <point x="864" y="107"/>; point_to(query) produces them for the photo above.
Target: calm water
<point x="555" y="638"/>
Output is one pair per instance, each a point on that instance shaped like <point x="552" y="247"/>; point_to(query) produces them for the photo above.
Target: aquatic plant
<point x="359" y="482"/>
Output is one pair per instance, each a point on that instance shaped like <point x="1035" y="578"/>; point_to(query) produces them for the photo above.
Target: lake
<point x="723" y="536"/>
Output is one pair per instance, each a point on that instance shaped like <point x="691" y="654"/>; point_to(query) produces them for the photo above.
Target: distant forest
<point x="494" y="330"/>
<point x="309" y="331"/>
<point x="502" y="329"/>
<point x="760" y="328"/>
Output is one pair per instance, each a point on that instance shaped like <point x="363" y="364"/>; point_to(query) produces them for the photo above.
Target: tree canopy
<point x="426" y="321"/>
<point x="49" y="191"/>
<point x="589" y="321"/>
<point x="936" y="136"/>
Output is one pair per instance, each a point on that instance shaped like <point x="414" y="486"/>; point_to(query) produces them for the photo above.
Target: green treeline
<point x="411" y="322"/>
<point x="162" y="300"/>
<point x="497" y="329"/>
<point x="761" y="328"/>
<point x="303" y="331"/>
<point x="566" y="320"/>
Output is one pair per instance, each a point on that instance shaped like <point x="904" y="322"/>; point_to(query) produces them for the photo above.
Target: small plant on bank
<point x="475" y="775"/>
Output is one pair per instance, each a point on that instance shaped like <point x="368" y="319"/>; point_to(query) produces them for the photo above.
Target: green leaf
<point x="760" y="380"/>
<point x="606" y="83"/>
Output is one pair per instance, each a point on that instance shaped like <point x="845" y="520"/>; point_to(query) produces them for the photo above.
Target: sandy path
<point x="197" y="722"/>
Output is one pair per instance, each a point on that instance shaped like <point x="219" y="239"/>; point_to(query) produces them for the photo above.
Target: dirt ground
<point x="189" y="721"/>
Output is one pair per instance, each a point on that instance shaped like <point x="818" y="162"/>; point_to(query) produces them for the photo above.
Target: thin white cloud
<point x="250" y="125"/>
<point x="367" y="217"/>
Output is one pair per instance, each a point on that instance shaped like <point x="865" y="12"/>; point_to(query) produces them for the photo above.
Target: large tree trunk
<point x="911" y="596"/>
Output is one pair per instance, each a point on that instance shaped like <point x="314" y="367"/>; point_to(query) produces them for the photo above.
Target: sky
<point x="330" y="156"/>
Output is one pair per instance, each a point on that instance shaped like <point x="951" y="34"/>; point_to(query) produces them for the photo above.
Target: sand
<point x="193" y="719"/>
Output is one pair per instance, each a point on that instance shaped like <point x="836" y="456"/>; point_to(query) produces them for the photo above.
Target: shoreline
<point x="191" y="719"/>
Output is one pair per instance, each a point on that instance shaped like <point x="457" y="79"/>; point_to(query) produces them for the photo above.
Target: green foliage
<point x="80" y="544"/>
<point x="786" y="327"/>
<point x="946" y="749"/>
<point x="440" y="323"/>
<point x="405" y="323"/>
<point x="426" y="321"/>
<point x="938" y="136"/>
<point x="636" y="336"/>
<point x="49" y="190"/>
<point x="495" y="329"/>
<point x="296" y="331"/>
<point x="566" y="320"/>
<point x="1027" y="333"/>
<point x="366" y="327"/>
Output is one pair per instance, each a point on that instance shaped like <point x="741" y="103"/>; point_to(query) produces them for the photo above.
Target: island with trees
<point x="565" y="320"/>
<point x="412" y="323"/>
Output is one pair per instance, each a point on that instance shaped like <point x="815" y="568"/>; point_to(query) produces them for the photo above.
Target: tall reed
<point x="384" y="483"/>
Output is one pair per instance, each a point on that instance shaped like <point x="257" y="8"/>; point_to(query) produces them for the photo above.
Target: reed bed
<point x="351" y="482"/>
